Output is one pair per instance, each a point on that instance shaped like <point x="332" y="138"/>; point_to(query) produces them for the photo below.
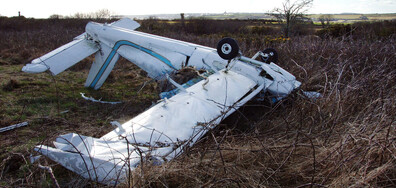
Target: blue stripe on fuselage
<point x="114" y="51"/>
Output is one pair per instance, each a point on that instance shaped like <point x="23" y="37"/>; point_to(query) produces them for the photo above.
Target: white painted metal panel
<point x="177" y="118"/>
<point x="165" y="128"/>
<point x="126" y="23"/>
<point x="104" y="63"/>
<point x="63" y="57"/>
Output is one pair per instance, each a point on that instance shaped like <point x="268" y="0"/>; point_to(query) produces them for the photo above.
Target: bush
<point x="336" y="30"/>
<point x="361" y="30"/>
<point x="263" y="30"/>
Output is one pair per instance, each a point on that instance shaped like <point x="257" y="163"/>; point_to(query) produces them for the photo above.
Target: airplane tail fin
<point x="105" y="60"/>
<point x="106" y="57"/>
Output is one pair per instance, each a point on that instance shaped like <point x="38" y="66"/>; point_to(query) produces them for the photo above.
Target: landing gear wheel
<point x="270" y="55"/>
<point x="227" y="48"/>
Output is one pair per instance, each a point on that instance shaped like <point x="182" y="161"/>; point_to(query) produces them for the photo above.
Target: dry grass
<point x="346" y="138"/>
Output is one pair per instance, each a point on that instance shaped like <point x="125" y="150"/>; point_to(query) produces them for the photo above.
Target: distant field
<point x="337" y="17"/>
<point x="350" y="18"/>
<point x="357" y="16"/>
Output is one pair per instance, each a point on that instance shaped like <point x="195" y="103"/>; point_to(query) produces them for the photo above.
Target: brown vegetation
<point x="346" y="138"/>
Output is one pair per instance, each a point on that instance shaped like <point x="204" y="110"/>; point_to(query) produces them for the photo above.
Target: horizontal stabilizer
<point x="126" y="23"/>
<point x="63" y="57"/>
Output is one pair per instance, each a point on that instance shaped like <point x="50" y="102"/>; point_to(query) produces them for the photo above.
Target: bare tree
<point x="291" y="12"/>
<point x="80" y="15"/>
<point x="325" y="18"/>
<point x="102" y="14"/>
<point x="99" y="14"/>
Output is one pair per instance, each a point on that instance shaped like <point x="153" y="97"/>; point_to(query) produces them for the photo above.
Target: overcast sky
<point x="45" y="8"/>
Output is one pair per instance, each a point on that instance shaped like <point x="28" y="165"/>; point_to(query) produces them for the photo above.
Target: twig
<point x="219" y="149"/>
<point x="314" y="160"/>
<point x="49" y="170"/>
<point x="311" y="185"/>
<point x="287" y="158"/>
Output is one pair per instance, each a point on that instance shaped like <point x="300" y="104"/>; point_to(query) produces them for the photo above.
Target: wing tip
<point x="34" y="68"/>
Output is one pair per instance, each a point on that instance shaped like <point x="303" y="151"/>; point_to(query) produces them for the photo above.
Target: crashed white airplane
<point x="160" y="133"/>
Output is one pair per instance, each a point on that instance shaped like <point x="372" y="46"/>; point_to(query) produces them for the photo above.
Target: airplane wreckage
<point x="183" y="116"/>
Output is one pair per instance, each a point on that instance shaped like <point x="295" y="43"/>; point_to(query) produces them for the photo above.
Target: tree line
<point x="99" y="14"/>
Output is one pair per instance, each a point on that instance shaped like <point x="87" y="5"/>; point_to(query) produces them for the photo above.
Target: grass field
<point x="357" y="16"/>
<point x="346" y="138"/>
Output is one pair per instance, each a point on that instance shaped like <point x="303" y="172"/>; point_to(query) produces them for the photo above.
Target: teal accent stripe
<point x="114" y="51"/>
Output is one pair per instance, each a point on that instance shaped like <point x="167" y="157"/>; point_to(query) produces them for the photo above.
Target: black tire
<point x="272" y="55"/>
<point x="227" y="48"/>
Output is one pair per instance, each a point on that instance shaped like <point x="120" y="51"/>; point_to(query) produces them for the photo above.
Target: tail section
<point x="83" y="46"/>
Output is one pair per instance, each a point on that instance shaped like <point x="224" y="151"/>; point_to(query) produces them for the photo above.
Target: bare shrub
<point x="345" y="138"/>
